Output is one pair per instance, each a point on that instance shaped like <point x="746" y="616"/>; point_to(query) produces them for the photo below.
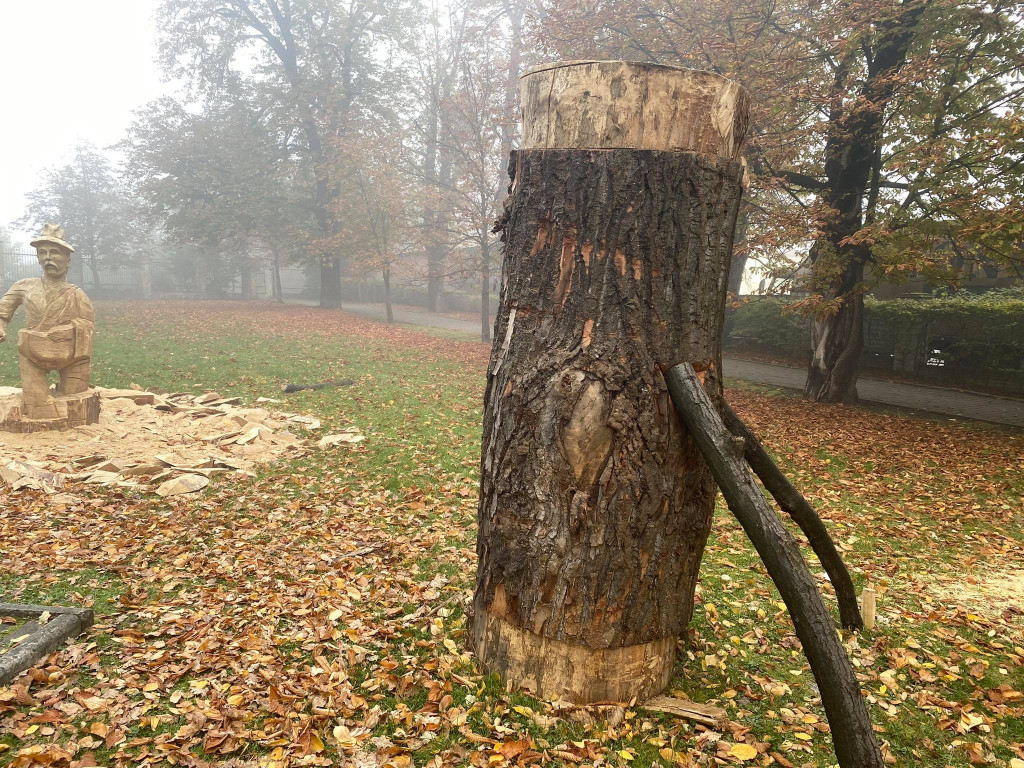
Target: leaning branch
<point x="852" y="734"/>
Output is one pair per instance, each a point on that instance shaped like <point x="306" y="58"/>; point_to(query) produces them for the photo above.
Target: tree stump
<point x="595" y="506"/>
<point x="65" y="412"/>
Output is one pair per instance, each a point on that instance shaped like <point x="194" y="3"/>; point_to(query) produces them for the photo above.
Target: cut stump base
<point x="553" y="669"/>
<point x="68" y="411"/>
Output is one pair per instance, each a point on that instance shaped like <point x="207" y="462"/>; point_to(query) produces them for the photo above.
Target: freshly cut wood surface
<point x="630" y="105"/>
<point x="706" y="714"/>
<point x="553" y="669"/>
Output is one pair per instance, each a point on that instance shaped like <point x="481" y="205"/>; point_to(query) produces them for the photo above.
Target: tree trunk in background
<point x="330" y="284"/>
<point x="245" y="278"/>
<point x="95" y="272"/>
<point x="737" y="265"/>
<point x="595" y="505"/>
<point x="485" y="290"/>
<point x="277" y="288"/>
<point x="837" y="264"/>
<point x="437" y="167"/>
<point x="440" y="253"/>
<point x="387" y="294"/>
<point x="837" y="341"/>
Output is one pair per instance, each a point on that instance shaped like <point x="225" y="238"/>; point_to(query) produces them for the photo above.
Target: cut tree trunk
<point x="852" y="734"/>
<point x="595" y="505"/>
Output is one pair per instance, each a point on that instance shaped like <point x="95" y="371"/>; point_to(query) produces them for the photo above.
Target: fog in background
<point x="73" y="70"/>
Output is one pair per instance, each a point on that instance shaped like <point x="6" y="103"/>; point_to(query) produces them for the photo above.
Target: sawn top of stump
<point x="632" y="105"/>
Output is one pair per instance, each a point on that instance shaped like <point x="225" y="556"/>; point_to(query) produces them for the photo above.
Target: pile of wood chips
<point x="173" y="442"/>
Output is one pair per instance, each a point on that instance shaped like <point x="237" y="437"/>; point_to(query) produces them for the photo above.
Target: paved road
<point x="950" y="402"/>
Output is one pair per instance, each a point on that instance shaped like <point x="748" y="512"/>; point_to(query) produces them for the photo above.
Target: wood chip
<point x="88" y="461"/>
<point x="183" y="484"/>
<point x="142" y="469"/>
<point x="137" y="396"/>
<point x="343" y="438"/>
<point x="706" y="714"/>
<point x="113" y="465"/>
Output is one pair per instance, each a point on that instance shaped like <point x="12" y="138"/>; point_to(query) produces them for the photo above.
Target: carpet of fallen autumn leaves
<point x="314" y="615"/>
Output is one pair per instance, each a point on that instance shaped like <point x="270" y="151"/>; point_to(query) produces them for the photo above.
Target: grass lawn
<point x="314" y="615"/>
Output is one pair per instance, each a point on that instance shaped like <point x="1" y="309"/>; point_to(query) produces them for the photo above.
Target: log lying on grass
<point x="792" y="502"/>
<point x="852" y="735"/>
<point x="289" y="388"/>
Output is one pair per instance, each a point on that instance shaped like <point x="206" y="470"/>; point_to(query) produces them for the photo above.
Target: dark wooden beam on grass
<point x="852" y="734"/>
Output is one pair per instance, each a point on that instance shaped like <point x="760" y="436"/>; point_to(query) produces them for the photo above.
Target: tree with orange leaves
<point x="885" y="141"/>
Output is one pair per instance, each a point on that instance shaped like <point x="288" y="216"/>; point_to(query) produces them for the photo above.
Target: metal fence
<point x="17" y="265"/>
<point x="122" y="279"/>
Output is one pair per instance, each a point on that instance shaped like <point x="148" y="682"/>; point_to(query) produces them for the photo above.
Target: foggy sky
<point x="71" y="70"/>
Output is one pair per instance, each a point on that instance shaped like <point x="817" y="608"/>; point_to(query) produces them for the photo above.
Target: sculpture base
<point x="68" y="411"/>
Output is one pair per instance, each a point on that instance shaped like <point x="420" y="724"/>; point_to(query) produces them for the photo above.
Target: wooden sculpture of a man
<point x="58" y="332"/>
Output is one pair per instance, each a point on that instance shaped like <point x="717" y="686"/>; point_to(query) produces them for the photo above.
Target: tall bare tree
<point x="86" y="196"/>
<point x="312" y="60"/>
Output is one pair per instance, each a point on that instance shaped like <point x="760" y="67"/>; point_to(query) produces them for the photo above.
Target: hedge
<point x="979" y="337"/>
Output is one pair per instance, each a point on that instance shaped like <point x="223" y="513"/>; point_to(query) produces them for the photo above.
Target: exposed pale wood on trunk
<point x="595" y="506"/>
<point x="841" y="697"/>
<point x="66" y="412"/>
<point x="553" y="669"/>
<point x="626" y="105"/>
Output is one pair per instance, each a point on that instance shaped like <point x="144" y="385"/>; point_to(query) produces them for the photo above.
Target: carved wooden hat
<point x="53" y="233"/>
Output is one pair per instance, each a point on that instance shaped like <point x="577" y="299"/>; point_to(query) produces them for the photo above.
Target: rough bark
<point x="852" y="734"/>
<point x="595" y="506"/>
<point x="837" y="341"/>
<point x="739" y="256"/>
<point x="792" y="502"/>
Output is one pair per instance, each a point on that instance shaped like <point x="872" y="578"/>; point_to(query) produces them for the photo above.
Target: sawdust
<point x="993" y="592"/>
<point x="151" y="442"/>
